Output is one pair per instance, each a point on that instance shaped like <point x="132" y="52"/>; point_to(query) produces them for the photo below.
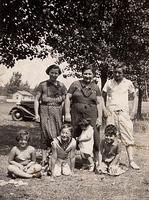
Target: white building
<point x="22" y="96"/>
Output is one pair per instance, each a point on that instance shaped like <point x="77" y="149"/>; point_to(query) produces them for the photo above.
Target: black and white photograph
<point x="74" y="100"/>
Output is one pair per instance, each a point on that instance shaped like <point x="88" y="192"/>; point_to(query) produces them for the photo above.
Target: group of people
<point x="70" y="121"/>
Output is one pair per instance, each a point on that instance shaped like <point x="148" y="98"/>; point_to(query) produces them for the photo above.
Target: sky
<point x="32" y="71"/>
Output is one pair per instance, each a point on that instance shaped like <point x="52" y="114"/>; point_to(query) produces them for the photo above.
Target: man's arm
<point x="134" y="105"/>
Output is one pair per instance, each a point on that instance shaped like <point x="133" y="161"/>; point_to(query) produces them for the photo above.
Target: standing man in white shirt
<point x="116" y="92"/>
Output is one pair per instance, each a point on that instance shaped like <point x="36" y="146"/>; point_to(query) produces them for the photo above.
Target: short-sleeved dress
<point x="84" y="105"/>
<point x="50" y="111"/>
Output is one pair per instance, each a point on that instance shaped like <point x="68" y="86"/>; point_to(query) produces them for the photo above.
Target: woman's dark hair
<point x="53" y="67"/>
<point x="23" y="134"/>
<point x="69" y="126"/>
<point x="88" y="67"/>
<point x="111" y="130"/>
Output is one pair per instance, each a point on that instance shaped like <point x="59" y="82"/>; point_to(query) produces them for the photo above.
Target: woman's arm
<point x="47" y="99"/>
<point x="99" y="111"/>
<point x="67" y="107"/>
<point x="36" y="105"/>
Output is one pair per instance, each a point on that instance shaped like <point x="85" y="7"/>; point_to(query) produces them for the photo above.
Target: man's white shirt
<point x="117" y="94"/>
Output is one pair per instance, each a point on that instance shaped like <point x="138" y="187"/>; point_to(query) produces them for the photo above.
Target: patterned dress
<point x="52" y="97"/>
<point x="84" y="105"/>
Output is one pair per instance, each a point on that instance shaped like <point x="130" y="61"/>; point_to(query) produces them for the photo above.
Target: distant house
<point x="22" y="96"/>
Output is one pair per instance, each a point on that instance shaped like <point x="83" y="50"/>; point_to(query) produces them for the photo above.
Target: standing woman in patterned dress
<point x="48" y="104"/>
<point x="83" y="100"/>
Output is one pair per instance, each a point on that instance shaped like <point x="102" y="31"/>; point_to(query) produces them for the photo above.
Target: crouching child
<point x="110" y="149"/>
<point x="62" y="160"/>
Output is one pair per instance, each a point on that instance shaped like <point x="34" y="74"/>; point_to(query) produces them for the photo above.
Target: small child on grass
<point x="62" y="160"/>
<point x="22" y="158"/>
<point x="110" y="149"/>
<point x="86" y="142"/>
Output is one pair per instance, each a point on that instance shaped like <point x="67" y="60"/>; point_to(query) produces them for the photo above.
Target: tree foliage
<point x="101" y="33"/>
<point x="16" y="84"/>
<point x="82" y="32"/>
<point x="13" y="85"/>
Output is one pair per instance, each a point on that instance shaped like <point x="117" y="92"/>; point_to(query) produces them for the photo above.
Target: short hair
<point x="119" y="67"/>
<point x="85" y="122"/>
<point x="23" y="134"/>
<point x="54" y="66"/>
<point x="67" y="125"/>
<point x="88" y="67"/>
<point x="111" y="130"/>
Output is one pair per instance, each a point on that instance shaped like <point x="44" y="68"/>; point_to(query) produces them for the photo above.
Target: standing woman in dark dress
<point x="49" y="101"/>
<point x="83" y="100"/>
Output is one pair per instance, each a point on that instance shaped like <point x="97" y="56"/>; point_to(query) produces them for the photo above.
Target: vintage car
<point x="23" y="110"/>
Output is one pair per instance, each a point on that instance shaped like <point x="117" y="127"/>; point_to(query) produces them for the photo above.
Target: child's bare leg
<point x="18" y="172"/>
<point x="44" y="156"/>
<point x="130" y="157"/>
<point x="34" y="169"/>
<point x="91" y="166"/>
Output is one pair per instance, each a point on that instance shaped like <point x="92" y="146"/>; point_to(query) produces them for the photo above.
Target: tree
<point x="14" y="84"/>
<point x="25" y="86"/>
<point x="82" y="32"/>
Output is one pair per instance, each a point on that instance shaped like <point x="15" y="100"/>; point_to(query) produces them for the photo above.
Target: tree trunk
<point x="140" y="98"/>
<point x="104" y="75"/>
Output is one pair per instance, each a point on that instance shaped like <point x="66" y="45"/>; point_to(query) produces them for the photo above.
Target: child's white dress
<point x="87" y="146"/>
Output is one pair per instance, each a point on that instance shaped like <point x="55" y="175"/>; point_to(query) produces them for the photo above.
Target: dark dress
<point x="52" y="96"/>
<point x="84" y="105"/>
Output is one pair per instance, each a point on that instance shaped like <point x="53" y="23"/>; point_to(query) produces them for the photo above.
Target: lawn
<point x="133" y="185"/>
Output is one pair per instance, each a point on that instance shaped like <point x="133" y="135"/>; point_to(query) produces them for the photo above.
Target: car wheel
<point x="16" y="115"/>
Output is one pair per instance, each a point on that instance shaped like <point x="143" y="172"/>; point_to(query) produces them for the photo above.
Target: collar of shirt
<point x="122" y="81"/>
<point x="89" y="86"/>
<point x="114" y="143"/>
<point x="53" y="83"/>
<point x="60" y="140"/>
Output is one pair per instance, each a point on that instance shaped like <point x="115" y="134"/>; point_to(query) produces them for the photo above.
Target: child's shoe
<point x="133" y="165"/>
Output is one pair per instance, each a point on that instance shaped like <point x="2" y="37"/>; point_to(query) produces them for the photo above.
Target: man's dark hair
<point x="110" y="130"/>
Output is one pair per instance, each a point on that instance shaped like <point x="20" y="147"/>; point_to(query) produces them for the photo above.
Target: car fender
<point x="14" y="108"/>
<point x="25" y="111"/>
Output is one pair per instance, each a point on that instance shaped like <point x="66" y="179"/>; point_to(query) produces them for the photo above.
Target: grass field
<point x="133" y="185"/>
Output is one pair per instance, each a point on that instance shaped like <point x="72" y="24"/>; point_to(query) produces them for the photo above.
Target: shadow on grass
<point x="8" y="137"/>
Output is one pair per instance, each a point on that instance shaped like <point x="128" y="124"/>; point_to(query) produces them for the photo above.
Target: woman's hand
<point x="68" y="117"/>
<point x="98" y="122"/>
<point x="107" y="113"/>
<point x="37" y="118"/>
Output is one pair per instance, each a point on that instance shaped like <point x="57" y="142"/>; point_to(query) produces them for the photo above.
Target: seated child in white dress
<point x="62" y="160"/>
<point x="22" y="158"/>
<point x="86" y="142"/>
<point x="110" y="149"/>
